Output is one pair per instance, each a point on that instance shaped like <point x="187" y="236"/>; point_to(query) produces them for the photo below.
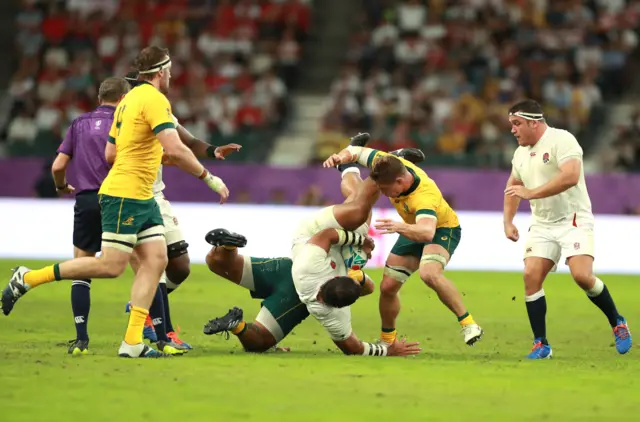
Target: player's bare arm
<point x="329" y="237"/>
<point x="511" y="204"/>
<point x="422" y="231"/>
<point x="203" y="149"/>
<point x="351" y="154"/>
<point x="186" y="161"/>
<point x="567" y="178"/>
<point x="59" y="173"/>
<point x="110" y="153"/>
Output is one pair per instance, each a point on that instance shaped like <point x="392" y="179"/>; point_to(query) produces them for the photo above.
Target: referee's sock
<point x="600" y="296"/>
<point x="156" y="312"/>
<point x="80" y="305"/>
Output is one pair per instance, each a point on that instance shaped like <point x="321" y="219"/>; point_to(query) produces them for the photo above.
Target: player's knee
<point x="389" y="286"/>
<point x="113" y="268"/>
<point x="583" y="277"/>
<point x="533" y="279"/>
<point x="214" y="260"/>
<point x="178" y="269"/>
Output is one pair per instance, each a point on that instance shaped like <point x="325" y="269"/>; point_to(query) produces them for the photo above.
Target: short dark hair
<point x="112" y="89"/>
<point x="387" y="169"/>
<point x="339" y="292"/>
<point x="148" y="57"/>
<point x="526" y="106"/>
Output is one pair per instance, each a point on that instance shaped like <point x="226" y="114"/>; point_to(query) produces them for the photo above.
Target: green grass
<point x="586" y="381"/>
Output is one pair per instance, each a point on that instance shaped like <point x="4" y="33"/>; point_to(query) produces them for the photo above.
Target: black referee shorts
<point x="87" y="224"/>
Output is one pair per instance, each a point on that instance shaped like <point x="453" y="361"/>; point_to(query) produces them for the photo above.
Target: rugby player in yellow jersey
<point x="143" y="127"/>
<point x="428" y="235"/>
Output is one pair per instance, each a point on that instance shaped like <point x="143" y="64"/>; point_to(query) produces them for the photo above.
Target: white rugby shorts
<point x="172" y="231"/>
<point x="554" y="240"/>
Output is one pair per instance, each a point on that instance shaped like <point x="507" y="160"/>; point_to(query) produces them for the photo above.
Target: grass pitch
<point x="586" y="381"/>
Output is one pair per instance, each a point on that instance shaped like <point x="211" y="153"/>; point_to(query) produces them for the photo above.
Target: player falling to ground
<point x="270" y="279"/>
<point x="547" y="170"/>
<point x="131" y="218"/>
<point x="427" y="238"/>
<point x="178" y="268"/>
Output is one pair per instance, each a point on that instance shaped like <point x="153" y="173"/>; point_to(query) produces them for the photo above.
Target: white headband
<point x="158" y="66"/>
<point x="528" y="116"/>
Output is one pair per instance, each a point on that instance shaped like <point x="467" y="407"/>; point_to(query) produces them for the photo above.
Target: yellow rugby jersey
<point x="422" y="197"/>
<point x="141" y="115"/>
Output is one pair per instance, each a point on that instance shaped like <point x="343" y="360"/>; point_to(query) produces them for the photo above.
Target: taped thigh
<point x="121" y="242"/>
<point x="269" y="322"/>
<point x="152" y="234"/>
<point x="430" y="258"/>
<point x="398" y="273"/>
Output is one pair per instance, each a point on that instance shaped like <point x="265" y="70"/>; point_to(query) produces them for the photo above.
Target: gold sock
<point x="136" y="325"/>
<point x="388" y="336"/>
<point x="238" y="329"/>
<point x="34" y="278"/>
<point x="466" y="319"/>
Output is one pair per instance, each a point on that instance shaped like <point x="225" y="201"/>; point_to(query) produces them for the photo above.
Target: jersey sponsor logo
<point x="529" y="249"/>
<point x="128" y="222"/>
<point x="545" y="157"/>
<point x="533" y="154"/>
<point x="175" y="221"/>
<point x="576" y="246"/>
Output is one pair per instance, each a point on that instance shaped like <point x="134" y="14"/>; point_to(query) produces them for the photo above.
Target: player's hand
<point x="166" y="161"/>
<point x="511" y="231"/>
<point x="368" y="246"/>
<point x="519" y="191"/>
<point x="388" y="226"/>
<point x="66" y="190"/>
<point x="224" y="194"/>
<point x="222" y="151"/>
<point x="402" y="348"/>
<point x="332" y="161"/>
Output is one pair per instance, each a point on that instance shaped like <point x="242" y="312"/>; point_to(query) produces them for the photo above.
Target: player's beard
<point x="164" y="87"/>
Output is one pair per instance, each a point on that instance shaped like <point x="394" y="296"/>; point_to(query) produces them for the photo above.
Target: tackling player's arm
<point x="110" y="153"/>
<point x="424" y="229"/>
<point x="362" y="155"/>
<point x="203" y="149"/>
<point x="60" y="164"/>
<point x="353" y="346"/>
<point x="511" y="204"/>
<point x="158" y="115"/>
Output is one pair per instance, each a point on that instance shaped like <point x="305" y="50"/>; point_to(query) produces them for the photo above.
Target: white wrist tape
<point x="347" y="238"/>
<point x="214" y="182"/>
<point x="374" y="349"/>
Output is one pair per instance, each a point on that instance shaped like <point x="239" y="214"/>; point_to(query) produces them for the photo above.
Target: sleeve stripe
<point x="426" y="212"/>
<point x="163" y="126"/>
<point x="372" y="155"/>
<point x="111" y="139"/>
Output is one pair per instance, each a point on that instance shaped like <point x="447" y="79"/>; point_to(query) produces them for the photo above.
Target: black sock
<point x="80" y="305"/>
<point x="343" y="167"/>
<point x="167" y="311"/>
<point x="156" y="312"/>
<point x="537" y="310"/>
<point x="604" y="301"/>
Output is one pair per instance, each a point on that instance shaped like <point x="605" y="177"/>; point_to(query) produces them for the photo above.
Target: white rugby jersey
<point x="158" y="184"/>
<point x="538" y="164"/>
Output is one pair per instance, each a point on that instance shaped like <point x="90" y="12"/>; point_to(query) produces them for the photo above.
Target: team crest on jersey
<point x="175" y="221"/>
<point x="405" y="207"/>
<point x="333" y="265"/>
<point x="545" y="157"/>
<point x="576" y="246"/>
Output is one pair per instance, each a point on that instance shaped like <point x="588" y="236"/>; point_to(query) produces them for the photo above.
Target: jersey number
<point x="119" y="118"/>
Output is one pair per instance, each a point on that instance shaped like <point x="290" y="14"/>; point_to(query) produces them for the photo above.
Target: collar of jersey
<point x="414" y="185"/>
<point x="110" y="107"/>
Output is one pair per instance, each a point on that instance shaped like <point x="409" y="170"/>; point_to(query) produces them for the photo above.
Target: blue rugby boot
<point x="623" y="336"/>
<point x="540" y="350"/>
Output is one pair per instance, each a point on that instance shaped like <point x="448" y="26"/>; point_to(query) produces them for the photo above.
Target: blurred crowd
<point x="234" y="64"/>
<point x="440" y="75"/>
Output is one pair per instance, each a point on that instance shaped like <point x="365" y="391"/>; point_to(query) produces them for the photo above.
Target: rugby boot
<point x="16" y="288"/>
<point x="413" y="155"/>
<point x="173" y="336"/>
<point x="359" y="140"/>
<point x="139" y="350"/>
<point x="223" y="237"/>
<point x="540" y="350"/>
<point x="623" y="336"/>
<point x="78" y="347"/>
<point x="472" y="333"/>
<point x="170" y="348"/>
<point x="224" y="324"/>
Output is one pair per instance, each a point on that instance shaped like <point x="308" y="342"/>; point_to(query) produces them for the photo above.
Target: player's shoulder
<point x="561" y="135"/>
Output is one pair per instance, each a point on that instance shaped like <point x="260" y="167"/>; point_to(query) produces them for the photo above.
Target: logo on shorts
<point x="545" y="157"/>
<point x="128" y="222"/>
<point x="528" y="250"/>
<point x="333" y="265"/>
<point x="443" y="238"/>
<point x="576" y="246"/>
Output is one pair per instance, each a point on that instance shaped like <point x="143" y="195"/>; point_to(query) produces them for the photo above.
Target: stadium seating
<point x="234" y="65"/>
<point x="441" y="75"/>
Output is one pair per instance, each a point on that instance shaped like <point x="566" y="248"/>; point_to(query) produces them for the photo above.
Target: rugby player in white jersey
<point x="319" y="272"/>
<point x="547" y="170"/>
<point x="178" y="266"/>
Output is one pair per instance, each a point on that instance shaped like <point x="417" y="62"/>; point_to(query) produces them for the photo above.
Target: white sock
<point x="537" y="295"/>
<point x="597" y="288"/>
